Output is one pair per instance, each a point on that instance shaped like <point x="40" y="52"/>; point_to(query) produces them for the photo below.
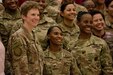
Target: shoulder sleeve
<point x="106" y="60"/>
<point x="18" y="54"/>
<point x="74" y="68"/>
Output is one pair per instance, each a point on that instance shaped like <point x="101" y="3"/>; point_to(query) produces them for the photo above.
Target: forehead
<point x="55" y="29"/>
<point x="97" y="16"/>
<point x="86" y="17"/>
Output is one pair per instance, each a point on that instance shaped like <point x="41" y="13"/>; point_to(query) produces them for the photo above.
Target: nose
<point x="73" y="12"/>
<point x="60" y="36"/>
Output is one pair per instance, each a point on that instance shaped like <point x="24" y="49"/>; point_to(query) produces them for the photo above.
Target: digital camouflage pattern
<point x="42" y="29"/>
<point x="93" y="56"/>
<point x="108" y="37"/>
<point x="69" y="34"/>
<point x="79" y="8"/>
<point x="60" y="63"/>
<point x="6" y="22"/>
<point x="26" y="53"/>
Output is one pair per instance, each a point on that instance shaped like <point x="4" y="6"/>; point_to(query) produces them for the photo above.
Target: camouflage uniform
<point x="26" y="53"/>
<point x="42" y="28"/>
<point x="108" y="37"/>
<point x="79" y="8"/>
<point x="69" y="35"/>
<point x="53" y="9"/>
<point x="6" y="22"/>
<point x="93" y="56"/>
<point x="61" y="63"/>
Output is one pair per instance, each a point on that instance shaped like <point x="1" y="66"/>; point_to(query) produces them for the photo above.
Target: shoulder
<point x="67" y="54"/>
<point x="98" y="40"/>
<point x="49" y="20"/>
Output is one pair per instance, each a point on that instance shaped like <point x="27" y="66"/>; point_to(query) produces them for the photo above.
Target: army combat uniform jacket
<point x="69" y="34"/>
<point x="60" y="63"/>
<point x="26" y="53"/>
<point x="93" y="56"/>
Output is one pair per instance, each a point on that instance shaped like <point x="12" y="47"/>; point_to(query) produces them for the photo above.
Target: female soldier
<point x="92" y="53"/>
<point x="98" y="29"/>
<point x="25" y="50"/>
<point x="69" y="27"/>
<point x="57" y="60"/>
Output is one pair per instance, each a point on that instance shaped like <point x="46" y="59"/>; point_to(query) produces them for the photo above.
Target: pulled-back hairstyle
<point x="63" y="6"/>
<point x="28" y="5"/>
<point x="94" y="12"/>
<point x="47" y="41"/>
<point x="51" y="28"/>
<point x="80" y="14"/>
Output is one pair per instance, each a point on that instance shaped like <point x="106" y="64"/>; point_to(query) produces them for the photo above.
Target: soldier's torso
<point x="43" y="27"/>
<point x="108" y="37"/>
<point x="58" y="64"/>
<point x="69" y="35"/>
<point x="87" y="54"/>
<point x="6" y="23"/>
<point x="33" y="51"/>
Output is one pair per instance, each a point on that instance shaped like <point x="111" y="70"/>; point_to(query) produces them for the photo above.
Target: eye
<point x="33" y="14"/>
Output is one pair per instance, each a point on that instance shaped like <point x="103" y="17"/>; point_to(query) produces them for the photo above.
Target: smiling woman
<point x="91" y="53"/>
<point x="68" y="25"/>
<point x="26" y="52"/>
<point x="58" y="61"/>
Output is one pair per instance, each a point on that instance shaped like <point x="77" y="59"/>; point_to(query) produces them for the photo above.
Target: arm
<point x="19" y="55"/>
<point x="74" y="68"/>
<point x="106" y="60"/>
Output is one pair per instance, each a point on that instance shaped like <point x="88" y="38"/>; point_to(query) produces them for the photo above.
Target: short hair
<point x="50" y="29"/>
<point x="107" y="3"/>
<point x="28" y="5"/>
<point x="80" y="14"/>
<point x="94" y="12"/>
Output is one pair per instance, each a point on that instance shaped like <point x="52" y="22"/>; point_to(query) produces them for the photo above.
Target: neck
<point x="84" y="36"/>
<point x="98" y="33"/>
<point x="68" y="23"/>
<point x="28" y="27"/>
<point x="54" y="48"/>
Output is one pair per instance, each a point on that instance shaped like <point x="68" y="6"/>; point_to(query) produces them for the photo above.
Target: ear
<point x="62" y="14"/>
<point x="48" y="36"/>
<point x="23" y="17"/>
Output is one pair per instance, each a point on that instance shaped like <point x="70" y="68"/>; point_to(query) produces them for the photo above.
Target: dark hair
<point x="46" y="40"/>
<point x="80" y="14"/>
<point x="94" y="12"/>
<point x="63" y="6"/>
<point x="107" y="3"/>
<point x="51" y="28"/>
<point x="28" y="5"/>
<point x="49" y="31"/>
